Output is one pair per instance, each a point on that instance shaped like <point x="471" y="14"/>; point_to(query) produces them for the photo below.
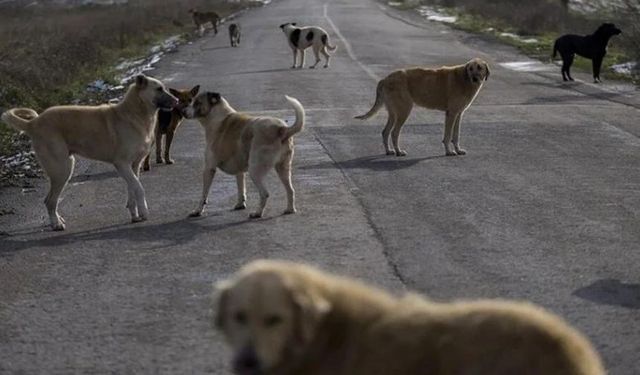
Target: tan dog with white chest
<point x="238" y="143"/>
<point x="283" y="318"/>
<point x="120" y="134"/>
<point x="451" y="89"/>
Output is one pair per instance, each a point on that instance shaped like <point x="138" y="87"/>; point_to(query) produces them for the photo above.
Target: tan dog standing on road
<point x="167" y="124"/>
<point x="120" y="134"/>
<point x="451" y="89"/>
<point x="238" y="143"/>
<point x="283" y="318"/>
<point x="202" y="18"/>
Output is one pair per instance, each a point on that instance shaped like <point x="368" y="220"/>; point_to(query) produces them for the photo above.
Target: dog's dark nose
<point x="246" y="362"/>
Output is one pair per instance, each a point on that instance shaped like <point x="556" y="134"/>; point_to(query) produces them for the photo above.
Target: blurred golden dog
<point x="451" y="89"/>
<point x="286" y="318"/>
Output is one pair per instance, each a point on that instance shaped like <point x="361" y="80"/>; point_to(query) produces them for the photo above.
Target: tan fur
<point x="238" y="143"/>
<point x="449" y="89"/>
<point x="202" y="18"/>
<point x="284" y="318"/>
<point x="120" y="134"/>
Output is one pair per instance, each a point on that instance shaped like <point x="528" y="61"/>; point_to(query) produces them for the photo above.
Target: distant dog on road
<point x="285" y="318"/>
<point x="238" y="143"/>
<point x="202" y="18"/>
<point x="120" y="134"/>
<point x="167" y="124"/>
<point x="234" y="34"/>
<point x="593" y="46"/>
<point x="451" y="89"/>
<point x="301" y="38"/>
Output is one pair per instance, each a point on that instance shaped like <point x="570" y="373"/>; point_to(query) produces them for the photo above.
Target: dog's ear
<point x="283" y="25"/>
<point x="194" y="90"/>
<point x="309" y="310"/>
<point x="213" y="97"/>
<point x="220" y="301"/>
<point x="174" y="92"/>
<point x="142" y="81"/>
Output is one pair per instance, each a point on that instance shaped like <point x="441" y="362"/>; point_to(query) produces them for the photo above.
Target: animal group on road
<point x="282" y="318"/>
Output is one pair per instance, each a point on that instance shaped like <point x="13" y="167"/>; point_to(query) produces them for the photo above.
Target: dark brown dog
<point x="167" y="124"/>
<point x="201" y="19"/>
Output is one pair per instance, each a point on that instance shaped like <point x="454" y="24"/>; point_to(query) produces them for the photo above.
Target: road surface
<point x="545" y="207"/>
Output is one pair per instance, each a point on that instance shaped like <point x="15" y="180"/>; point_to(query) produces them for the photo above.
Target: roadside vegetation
<point x="532" y="26"/>
<point x="50" y="53"/>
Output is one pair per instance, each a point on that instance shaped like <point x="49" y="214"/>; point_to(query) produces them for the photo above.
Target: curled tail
<point x="325" y="41"/>
<point x="376" y="106"/>
<point x="300" y="117"/>
<point x="19" y="118"/>
<point x="555" y="49"/>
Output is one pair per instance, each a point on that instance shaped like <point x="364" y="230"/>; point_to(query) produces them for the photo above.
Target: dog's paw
<point x="255" y="215"/>
<point x="170" y="161"/>
<point x="137" y="219"/>
<point x="195" y="214"/>
<point x="326" y="66"/>
<point x="391" y="152"/>
<point x="451" y="153"/>
<point x="159" y="161"/>
<point x="312" y="67"/>
<point x="401" y="153"/>
<point x="240" y="206"/>
<point x="289" y="211"/>
<point x="461" y="151"/>
<point x="58" y="227"/>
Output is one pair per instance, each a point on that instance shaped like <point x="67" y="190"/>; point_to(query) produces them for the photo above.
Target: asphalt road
<point x="545" y="207"/>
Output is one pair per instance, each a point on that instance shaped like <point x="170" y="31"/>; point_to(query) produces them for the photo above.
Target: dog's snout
<point x="246" y="362"/>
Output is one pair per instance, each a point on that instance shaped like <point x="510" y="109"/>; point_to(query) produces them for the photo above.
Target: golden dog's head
<point x="477" y="70"/>
<point x="153" y="92"/>
<point x="202" y="105"/>
<point x="268" y="315"/>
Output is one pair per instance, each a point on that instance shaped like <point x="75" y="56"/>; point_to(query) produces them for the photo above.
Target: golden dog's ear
<point x="220" y="300"/>
<point x="309" y="309"/>
<point x="141" y="81"/>
<point x="194" y="90"/>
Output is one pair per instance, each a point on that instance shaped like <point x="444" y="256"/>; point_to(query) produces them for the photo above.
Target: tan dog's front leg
<point x="242" y="192"/>
<point x="456" y="136"/>
<point x="137" y="203"/>
<point x="449" y="122"/>
<point x="207" y="178"/>
<point x="303" y="53"/>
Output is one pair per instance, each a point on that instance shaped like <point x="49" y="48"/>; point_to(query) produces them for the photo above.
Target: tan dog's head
<point x="477" y="70"/>
<point x="268" y="315"/>
<point x="185" y="97"/>
<point x="153" y="92"/>
<point x="203" y="105"/>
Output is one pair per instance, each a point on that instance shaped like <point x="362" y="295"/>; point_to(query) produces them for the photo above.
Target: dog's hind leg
<point x="303" y="54"/>
<point x="136" y="203"/>
<point x="597" y="65"/>
<point x="401" y="116"/>
<point x="316" y="52"/>
<point x="207" y="179"/>
<point x="386" y="132"/>
<point x="326" y="55"/>
<point x="284" y="172"/>
<point x="567" y="61"/>
<point x="242" y="192"/>
<point x="59" y="167"/>
<point x="456" y="136"/>
<point x="258" y="174"/>
<point x="449" y="123"/>
<point x="295" y="57"/>
<point x="159" y="147"/>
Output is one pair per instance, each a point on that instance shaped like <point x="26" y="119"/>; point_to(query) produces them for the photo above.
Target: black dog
<point x="592" y="47"/>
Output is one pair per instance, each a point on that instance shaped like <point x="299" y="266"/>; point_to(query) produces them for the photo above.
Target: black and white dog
<point x="301" y="38"/>
<point x="234" y="34"/>
<point x="593" y="46"/>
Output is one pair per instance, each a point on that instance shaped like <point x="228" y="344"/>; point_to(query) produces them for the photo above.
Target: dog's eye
<point x="240" y="318"/>
<point x="272" y="320"/>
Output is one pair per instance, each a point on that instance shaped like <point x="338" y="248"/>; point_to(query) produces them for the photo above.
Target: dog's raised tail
<point x="19" y="118"/>
<point x="376" y="106"/>
<point x="300" y="118"/>
<point x="325" y="41"/>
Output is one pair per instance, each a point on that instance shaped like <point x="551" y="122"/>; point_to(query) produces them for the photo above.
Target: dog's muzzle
<point x="246" y="362"/>
<point x="187" y="112"/>
<point x="167" y="102"/>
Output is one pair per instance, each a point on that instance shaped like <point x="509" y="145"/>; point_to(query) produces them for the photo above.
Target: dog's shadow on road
<point x="377" y="163"/>
<point x="611" y="292"/>
<point x="559" y="99"/>
<point x="174" y="233"/>
<point x="267" y="71"/>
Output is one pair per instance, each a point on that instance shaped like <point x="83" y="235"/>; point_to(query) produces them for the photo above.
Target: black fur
<point x="164" y="120"/>
<point x="295" y="37"/>
<point x="593" y="46"/>
<point x="324" y="39"/>
<point x="309" y="36"/>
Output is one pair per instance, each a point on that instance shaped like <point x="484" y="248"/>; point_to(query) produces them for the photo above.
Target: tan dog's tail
<point x="19" y="118"/>
<point x="376" y="106"/>
<point x="300" y="117"/>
